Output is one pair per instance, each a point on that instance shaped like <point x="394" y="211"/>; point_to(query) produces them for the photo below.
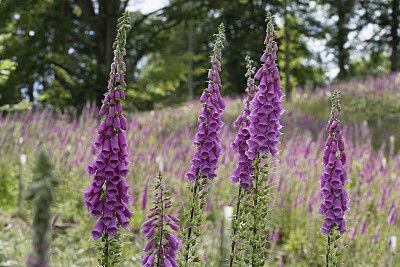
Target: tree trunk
<point x="287" y="57"/>
<point x="104" y="24"/>
<point x="341" y="39"/>
<point x="30" y="92"/>
<point x="190" y="51"/>
<point x="395" y="37"/>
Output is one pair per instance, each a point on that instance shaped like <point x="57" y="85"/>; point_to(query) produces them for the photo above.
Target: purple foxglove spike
<point x="334" y="197"/>
<point x="111" y="140"/>
<point x="266" y="105"/>
<point x="210" y="122"/>
<point x="158" y="220"/>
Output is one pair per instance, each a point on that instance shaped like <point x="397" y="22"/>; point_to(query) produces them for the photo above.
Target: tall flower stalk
<point x="42" y="195"/>
<point x="244" y="168"/>
<point x="107" y="197"/>
<point x="204" y="161"/>
<point x="334" y="196"/>
<point x="263" y="126"/>
<point x="163" y="244"/>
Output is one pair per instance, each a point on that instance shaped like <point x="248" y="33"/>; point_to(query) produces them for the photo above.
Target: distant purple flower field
<point x="373" y="184"/>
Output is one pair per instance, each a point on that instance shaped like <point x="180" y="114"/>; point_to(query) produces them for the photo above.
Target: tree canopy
<point x="58" y="53"/>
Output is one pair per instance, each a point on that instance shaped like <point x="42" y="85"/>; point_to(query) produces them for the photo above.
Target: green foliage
<point x="8" y="186"/>
<point x="251" y="225"/>
<point x="22" y="105"/>
<point x="109" y="251"/>
<point x="372" y="108"/>
<point x="193" y="220"/>
<point x="333" y="254"/>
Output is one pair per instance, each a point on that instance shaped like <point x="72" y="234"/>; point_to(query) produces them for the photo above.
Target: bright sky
<point x="146" y="6"/>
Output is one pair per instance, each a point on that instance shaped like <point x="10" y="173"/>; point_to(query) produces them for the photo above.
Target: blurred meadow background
<point x="54" y="64"/>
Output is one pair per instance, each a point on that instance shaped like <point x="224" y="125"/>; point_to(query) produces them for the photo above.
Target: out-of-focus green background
<point x="58" y="53"/>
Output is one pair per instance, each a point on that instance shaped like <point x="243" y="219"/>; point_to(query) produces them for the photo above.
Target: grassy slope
<point x="167" y="135"/>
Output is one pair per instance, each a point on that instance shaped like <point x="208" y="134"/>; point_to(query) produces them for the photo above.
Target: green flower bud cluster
<point x="41" y="194"/>
<point x="193" y="221"/>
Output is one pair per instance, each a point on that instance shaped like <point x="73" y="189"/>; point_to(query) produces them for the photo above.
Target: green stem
<point x="234" y="228"/>
<point x="106" y="250"/>
<point x="161" y="226"/>
<point x="328" y="250"/>
<point x="255" y="204"/>
<point x="192" y="211"/>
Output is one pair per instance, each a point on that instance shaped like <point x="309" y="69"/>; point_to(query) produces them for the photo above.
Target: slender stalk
<point x="328" y="250"/>
<point x="106" y="250"/>
<point x="255" y="203"/>
<point x="222" y="242"/>
<point x="20" y="191"/>
<point x="189" y="234"/>
<point x="161" y="226"/>
<point x="234" y="228"/>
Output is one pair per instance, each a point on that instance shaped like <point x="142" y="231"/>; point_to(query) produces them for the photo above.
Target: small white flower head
<point x="392" y="244"/>
<point x="160" y="163"/>
<point x="228" y="211"/>
<point x="23" y="158"/>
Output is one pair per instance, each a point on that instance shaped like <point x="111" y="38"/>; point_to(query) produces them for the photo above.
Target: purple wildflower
<point x="266" y="106"/>
<point x="392" y="217"/>
<point x="162" y="244"/>
<point x="107" y="197"/>
<point x="334" y="197"/>
<point x="207" y="139"/>
<point x="244" y="167"/>
<point x="143" y="197"/>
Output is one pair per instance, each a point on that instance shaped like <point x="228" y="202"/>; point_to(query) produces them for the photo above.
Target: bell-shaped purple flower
<point x="107" y="197"/>
<point x="162" y="243"/>
<point x="266" y="105"/>
<point x="244" y="168"/>
<point x="207" y="138"/>
<point x="334" y="196"/>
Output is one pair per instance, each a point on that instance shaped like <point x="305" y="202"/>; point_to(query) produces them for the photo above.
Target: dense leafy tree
<point x="58" y="53"/>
